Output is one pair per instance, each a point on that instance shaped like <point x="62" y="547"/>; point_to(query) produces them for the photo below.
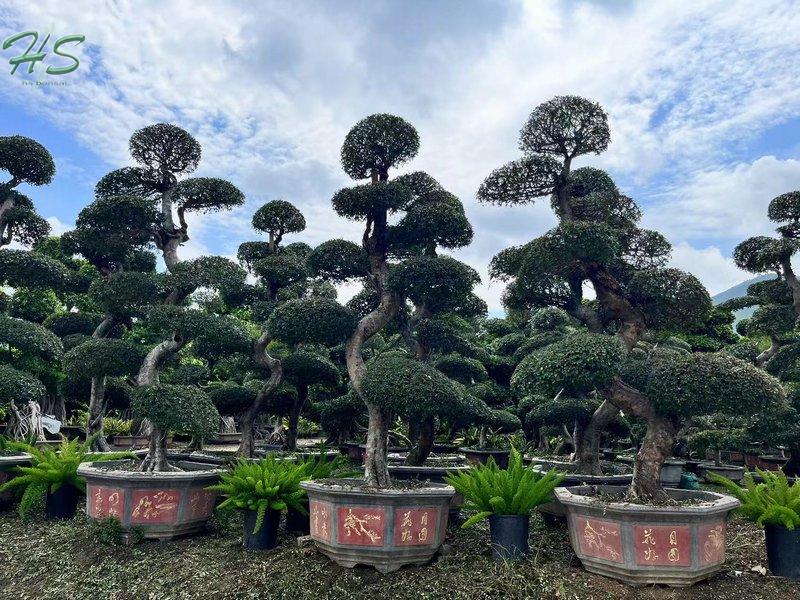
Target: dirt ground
<point x="44" y="560"/>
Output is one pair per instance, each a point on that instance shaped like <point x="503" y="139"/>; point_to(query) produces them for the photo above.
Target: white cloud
<point x="716" y="271"/>
<point x="271" y="91"/>
<point x="57" y="227"/>
<point x="728" y="203"/>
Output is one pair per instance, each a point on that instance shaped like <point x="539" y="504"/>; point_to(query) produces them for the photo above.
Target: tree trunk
<point x="148" y="372"/>
<point x="657" y="443"/>
<point x="587" y="443"/>
<point x="775" y="345"/>
<point x="294" y="417"/>
<point x="156" y="459"/>
<point x="424" y="444"/>
<point x="376" y="468"/>
<point x="94" y="424"/>
<point x="791" y="280"/>
<point x="482" y="437"/>
<point x="611" y="297"/>
<point x="262" y="357"/>
<point x="656" y="448"/>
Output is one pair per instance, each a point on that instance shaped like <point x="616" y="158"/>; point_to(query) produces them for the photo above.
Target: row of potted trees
<point x="641" y="532"/>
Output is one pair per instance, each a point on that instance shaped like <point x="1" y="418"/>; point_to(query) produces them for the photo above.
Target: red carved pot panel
<point x="201" y="504"/>
<point x="599" y="538"/>
<point x="662" y="545"/>
<point x="320" y="514"/>
<point x="712" y="543"/>
<point x="361" y="526"/>
<point x="106" y="502"/>
<point x="155" y="506"/>
<point x="415" y="526"/>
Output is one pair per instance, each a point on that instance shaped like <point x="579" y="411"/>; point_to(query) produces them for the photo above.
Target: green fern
<point x="267" y="484"/>
<point x="51" y="468"/>
<point x="773" y="502"/>
<point x="517" y="490"/>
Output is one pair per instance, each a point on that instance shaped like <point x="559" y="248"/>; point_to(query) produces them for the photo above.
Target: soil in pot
<point x="63" y="503"/>
<point x="265" y="538"/>
<point x="297" y="522"/>
<point x="783" y="551"/>
<point x="509" y="534"/>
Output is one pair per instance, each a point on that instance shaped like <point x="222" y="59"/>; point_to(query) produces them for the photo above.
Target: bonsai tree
<point x="31" y="353"/>
<point x="26" y="161"/>
<point x="763" y="254"/>
<point x="163" y="153"/>
<point x="305" y="368"/>
<point x="662" y="387"/>
<point x="715" y="441"/>
<point x="173" y="407"/>
<point x="100" y="358"/>
<point x="388" y="261"/>
<point x="597" y="242"/>
<point x="277" y="268"/>
<point x="306" y="326"/>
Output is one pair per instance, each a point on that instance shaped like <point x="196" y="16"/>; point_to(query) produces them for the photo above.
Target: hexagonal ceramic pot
<point x="645" y="544"/>
<point x="554" y="511"/>
<point x="383" y="528"/>
<point x="161" y="506"/>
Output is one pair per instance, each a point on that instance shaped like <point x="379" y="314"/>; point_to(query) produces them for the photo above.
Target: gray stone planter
<point x="227" y="438"/>
<point x="555" y="511"/>
<point x="434" y="475"/>
<point x="8" y="463"/>
<point x="732" y="472"/>
<point x="642" y="544"/>
<point x="162" y="506"/>
<point x="671" y="472"/>
<point x="481" y="457"/>
<point x="382" y="528"/>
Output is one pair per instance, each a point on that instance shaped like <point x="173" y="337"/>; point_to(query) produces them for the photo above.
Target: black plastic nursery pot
<point x="509" y="534"/>
<point x="63" y="503"/>
<point x="297" y="522"/>
<point x="385" y="528"/>
<point x="783" y="551"/>
<point x="8" y="466"/>
<point x="481" y="457"/>
<point x="265" y="538"/>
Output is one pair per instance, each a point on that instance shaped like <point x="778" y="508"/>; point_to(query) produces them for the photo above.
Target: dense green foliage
<point x="489" y="490"/>
<point x="269" y="484"/>
<point x="52" y="467"/>
<point x="772" y="502"/>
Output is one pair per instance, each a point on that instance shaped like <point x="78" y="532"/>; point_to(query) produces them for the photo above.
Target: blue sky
<point x="703" y="100"/>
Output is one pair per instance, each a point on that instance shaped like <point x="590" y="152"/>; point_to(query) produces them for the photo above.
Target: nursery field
<point x="44" y="560"/>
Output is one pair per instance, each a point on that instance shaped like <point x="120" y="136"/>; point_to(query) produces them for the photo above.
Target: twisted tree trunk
<point x="294" y="417"/>
<point x="424" y="444"/>
<point x="587" y="440"/>
<point x="376" y="472"/>
<point x="656" y="446"/>
<point x="97" y="396"/>
<point x="275" y="367"/>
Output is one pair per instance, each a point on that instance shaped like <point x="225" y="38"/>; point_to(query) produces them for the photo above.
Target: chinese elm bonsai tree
<point x="597" y="242"/>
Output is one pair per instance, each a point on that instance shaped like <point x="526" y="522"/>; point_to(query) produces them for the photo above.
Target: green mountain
<point x="737" y="291"/>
